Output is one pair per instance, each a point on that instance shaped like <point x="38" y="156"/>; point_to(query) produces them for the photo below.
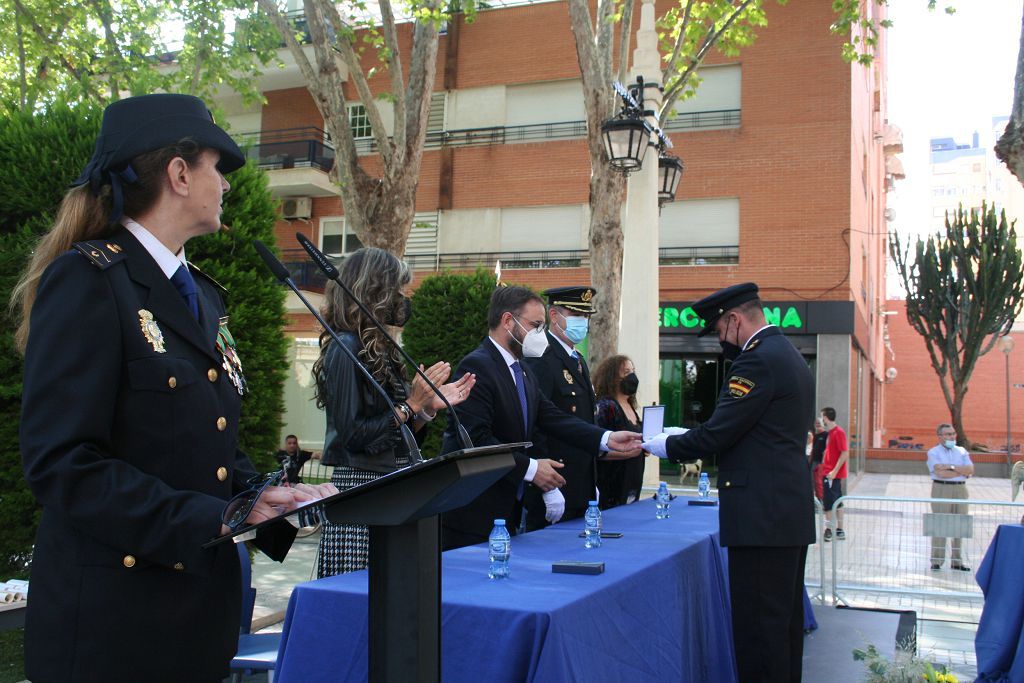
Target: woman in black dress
<point x="615" y="384"/>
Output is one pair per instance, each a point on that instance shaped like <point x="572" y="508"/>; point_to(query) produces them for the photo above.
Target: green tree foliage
<point x="43" y="153"/>
<point x="964" y="290"/>
<point x="99" y="50"/>
<point x="449" y="320"/>
<point x="19" y="513"/>
<point x="255" y="304"/>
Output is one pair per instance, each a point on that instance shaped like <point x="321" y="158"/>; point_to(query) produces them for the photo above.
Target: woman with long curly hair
<point x="364" y="439"/>
<point x="615" y="383"/>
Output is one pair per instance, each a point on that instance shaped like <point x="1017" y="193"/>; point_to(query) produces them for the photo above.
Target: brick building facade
<point x="785" y="185"/>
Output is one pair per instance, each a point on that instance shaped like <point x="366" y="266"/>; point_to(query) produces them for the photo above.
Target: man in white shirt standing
<point x="949" y="466"/>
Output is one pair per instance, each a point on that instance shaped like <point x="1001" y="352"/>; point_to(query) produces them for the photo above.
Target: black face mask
<point x="402" y="313"/>
<point x="629" y="384"/>
<point x="729" y="350"/>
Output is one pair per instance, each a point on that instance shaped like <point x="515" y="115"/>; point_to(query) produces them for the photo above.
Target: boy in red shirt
<point x="837" y="452"/>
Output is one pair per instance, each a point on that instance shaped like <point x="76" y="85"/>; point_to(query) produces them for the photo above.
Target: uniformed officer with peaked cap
<point x="758" y="430"/>
<point x="132" y="399"/>
<point x="563" y="377"/>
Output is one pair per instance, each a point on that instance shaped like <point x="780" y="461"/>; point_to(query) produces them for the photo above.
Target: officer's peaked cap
<point x="136" y="125"/>
<point x="714" y="306"/>
<point x="578" y="299"/>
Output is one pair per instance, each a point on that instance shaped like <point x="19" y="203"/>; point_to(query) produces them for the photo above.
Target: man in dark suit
<point x="759" y="431"/>
<point x="506" y="406"/>
<point x="564" y="378"/>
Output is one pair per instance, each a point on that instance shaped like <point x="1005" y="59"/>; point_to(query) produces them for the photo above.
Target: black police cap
<point x="578" y="299"/>
<point x="136" y="125"/>
<point x="714" y="306"/>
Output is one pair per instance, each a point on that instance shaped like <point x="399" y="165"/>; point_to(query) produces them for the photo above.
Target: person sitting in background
<point x="616" y="384"/>
<point x="363" y="440"/>
<point x="292" y="458"/>
<point x="950" y="466"/>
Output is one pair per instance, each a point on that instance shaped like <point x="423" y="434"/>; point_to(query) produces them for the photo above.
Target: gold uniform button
<point x="573" y="393"/>
<point x="728" y="484"/>
<point x="222" y="474"/>
<point x="222" y="424"/>
<point x="574" y="409"/>
<point x="212" y="374"/>
<point x="128" y="561"/>
<point x="172" y="382"/>
<point x="179" y="567"/>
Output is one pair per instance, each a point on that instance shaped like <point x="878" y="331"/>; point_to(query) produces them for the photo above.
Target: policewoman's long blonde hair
<point x="83" y="216"/>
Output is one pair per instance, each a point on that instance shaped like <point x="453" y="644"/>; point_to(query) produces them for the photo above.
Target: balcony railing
<point x="307" y="276"/>
<point x="562" y="130"/>
<point x="289" y="148"/>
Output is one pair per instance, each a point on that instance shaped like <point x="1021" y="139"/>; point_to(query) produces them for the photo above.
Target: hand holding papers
<point x="554" y="505"/>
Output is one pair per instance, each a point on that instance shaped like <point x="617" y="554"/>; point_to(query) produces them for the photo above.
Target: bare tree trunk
<point x="1010" y="147"/>
<point x="607" y="194"/>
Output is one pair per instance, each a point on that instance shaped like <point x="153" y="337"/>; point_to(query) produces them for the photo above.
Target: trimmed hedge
<point x="449" y="320"/>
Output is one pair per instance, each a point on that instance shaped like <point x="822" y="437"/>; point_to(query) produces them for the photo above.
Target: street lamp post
<point x="1006" y="346"/>
<point x="652" y="182"/>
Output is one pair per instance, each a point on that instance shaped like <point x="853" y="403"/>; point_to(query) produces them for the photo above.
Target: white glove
<point x="554" y="505"/>
<point x="656" y="446"/>
<point x="675" y="431"/>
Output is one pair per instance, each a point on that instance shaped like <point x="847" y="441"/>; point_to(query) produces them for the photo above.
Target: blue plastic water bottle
<point x="500" y="549"/>
<point x="662" y="501"/>
<point x="704" y="486"/>
<point x="592" y="526"/>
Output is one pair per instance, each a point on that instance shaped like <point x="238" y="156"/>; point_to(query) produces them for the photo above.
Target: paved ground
<point x="884" y="562"/>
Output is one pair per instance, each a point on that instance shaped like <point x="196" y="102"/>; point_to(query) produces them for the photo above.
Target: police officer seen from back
<point x="132" y="396"/>
<point x="563" y="377"/>
<point x="759" y="431"/>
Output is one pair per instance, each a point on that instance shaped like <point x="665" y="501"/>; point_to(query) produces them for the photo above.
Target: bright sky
<point x="948" y="76"/>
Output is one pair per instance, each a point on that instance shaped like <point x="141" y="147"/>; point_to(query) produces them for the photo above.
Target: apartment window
<point x="336" y="239"/>
<point x="551" y="102"/>
<point x="719" y="89"/>
<point x="542" y="228"/>
<point x="359" y="121"/>
<point x="700" y="223"/>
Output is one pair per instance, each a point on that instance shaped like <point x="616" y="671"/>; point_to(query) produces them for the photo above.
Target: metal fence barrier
<point x="892" y="545"/>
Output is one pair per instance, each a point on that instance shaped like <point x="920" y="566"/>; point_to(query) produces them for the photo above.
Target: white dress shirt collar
<point x="168" y="261"/>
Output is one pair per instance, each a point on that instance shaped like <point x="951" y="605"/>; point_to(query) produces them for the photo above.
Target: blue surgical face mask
<point x="576" y="328"/>
<point x="949" y="444"/>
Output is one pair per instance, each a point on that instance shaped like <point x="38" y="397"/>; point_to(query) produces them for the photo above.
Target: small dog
<point x="690" y="468"/>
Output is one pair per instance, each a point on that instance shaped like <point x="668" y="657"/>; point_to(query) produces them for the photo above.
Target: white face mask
<point x="535" y="344"/>
<point x="949" y="443"/>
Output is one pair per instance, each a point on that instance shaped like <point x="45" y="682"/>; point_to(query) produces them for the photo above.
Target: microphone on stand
<point x="282" y="274"/>
<point x="328" y="269"/>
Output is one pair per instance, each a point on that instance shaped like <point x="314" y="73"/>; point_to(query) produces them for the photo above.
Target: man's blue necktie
<point x="517" y="370"/>
<point x="186" y="286"/>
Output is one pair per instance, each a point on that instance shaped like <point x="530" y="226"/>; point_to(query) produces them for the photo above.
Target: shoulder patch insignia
<point x="752" y="345"/>
<point x="221" y="288"/>
<point x="103" y="254"/>
<point x="739" y="387"/>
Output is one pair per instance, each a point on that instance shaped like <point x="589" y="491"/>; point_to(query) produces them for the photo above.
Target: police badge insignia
<point x="568" y="377"/>
<point x="154" y="335"/>
<point x="232" y="363"/>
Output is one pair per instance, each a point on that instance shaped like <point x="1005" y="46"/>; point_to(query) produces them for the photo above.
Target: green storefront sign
<point x="794" y="317"/>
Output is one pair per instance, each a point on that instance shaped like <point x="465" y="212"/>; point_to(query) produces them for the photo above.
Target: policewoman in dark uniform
<point x="759" y="431"/>
<point x="563" y="377"/>
<point x="129" y="426"/>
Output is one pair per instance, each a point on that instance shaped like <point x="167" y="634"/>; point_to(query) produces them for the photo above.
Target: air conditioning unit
<point x="296" y="207"/>
<point x="890" y="214"/>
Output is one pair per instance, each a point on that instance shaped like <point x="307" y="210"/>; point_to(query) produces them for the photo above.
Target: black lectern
<point x="402" y="510"/>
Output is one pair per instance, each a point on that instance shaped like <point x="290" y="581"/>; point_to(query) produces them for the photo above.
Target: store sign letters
<point x="786" y="317"/>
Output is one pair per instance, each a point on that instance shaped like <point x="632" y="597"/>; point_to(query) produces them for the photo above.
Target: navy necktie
<point x="517" y="370"/>
<point x="579" y="362"/>
<point x="186" y="286"/>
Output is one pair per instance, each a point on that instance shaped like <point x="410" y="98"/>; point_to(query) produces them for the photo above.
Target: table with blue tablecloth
<point x="659" y="611"/>
<point x="999" y="643"/>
